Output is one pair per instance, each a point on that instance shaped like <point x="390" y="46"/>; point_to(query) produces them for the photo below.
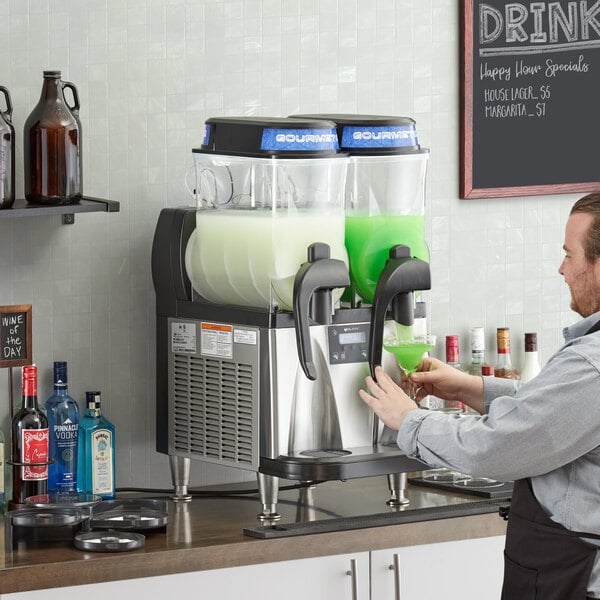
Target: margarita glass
<point x="409" y="352"/>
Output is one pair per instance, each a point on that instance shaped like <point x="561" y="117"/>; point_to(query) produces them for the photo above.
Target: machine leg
<point x="306" y="504"/>
<point x="397" y="487"/>
<point x="180" y="476"/>
<point x="268" y="487"/>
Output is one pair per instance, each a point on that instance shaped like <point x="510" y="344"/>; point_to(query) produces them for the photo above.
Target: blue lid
<point x="374" y="134"/>
<point x="281" y="137"/>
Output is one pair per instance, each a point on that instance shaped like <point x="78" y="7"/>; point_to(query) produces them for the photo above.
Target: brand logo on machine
<point x="299" y="139"/>
<point x="382" y="137"/>
<point x="206" y="135"/>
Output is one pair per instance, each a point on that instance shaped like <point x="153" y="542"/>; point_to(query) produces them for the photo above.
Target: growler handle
<point x="71" y="86"/>
<point x="7" y="114"/>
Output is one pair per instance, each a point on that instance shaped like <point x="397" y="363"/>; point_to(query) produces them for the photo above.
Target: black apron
<point x="542" y="559"/>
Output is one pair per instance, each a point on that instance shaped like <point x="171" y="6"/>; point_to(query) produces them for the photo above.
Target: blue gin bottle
<point x="63" y="425"/>
<point x="96" y="474"/>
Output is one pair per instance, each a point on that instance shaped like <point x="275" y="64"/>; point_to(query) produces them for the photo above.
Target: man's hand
<point x="388" y="400"/>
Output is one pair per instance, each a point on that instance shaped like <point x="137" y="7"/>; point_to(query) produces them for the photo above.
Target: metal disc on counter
<point x="109" y="541"/>
<point x="54" y="500"/>
<point x="29" y="517"/>
<point x="130" y="514"/>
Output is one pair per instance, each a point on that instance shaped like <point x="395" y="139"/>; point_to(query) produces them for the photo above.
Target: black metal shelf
<point x="22" y="208"/>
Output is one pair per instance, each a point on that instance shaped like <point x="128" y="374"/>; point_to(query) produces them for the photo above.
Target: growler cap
<point x="56" y="74"/>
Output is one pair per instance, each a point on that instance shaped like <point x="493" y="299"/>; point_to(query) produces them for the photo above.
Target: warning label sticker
<point x="216" y="340"/>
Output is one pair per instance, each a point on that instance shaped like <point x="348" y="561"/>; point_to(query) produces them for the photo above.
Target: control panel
<point x="348" y="343"/>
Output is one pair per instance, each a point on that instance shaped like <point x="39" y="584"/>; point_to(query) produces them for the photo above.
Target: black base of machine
<point x="335" y="465"/>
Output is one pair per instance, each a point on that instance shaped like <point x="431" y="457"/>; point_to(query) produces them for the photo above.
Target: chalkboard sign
<point x="530" y="110"/>
<point x="15" y="335"/>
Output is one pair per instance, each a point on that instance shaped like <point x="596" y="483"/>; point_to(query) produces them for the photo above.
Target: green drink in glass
<point x="409" y="354"/>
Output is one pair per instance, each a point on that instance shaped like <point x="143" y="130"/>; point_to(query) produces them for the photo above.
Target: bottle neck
<point x="52" y="89"/>
<point x="60" y="389"/>
<point x="93" y="412"/>
<point x="30" y="401"/>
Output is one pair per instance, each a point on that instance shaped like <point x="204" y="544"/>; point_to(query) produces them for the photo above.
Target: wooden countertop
<point x="207" y="533"/>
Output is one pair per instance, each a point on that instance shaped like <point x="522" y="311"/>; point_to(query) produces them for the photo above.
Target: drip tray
<point x="501" y="489"/>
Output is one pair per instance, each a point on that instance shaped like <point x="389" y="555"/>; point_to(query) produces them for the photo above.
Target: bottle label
<point x="102" y="462"/>
<point x="34" y="444"/>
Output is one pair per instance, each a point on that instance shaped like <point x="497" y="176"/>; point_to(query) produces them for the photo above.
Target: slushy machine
<point x="272" y="296"/>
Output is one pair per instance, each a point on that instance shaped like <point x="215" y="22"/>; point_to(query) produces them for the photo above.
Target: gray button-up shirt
<point x="547" y="429"/>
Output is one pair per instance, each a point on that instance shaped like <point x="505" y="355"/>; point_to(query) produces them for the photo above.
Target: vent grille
<point x="213" y="409"/>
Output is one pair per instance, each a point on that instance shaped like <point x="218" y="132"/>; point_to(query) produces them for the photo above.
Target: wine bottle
<point x="29" y="443"/>
<point x="96" y="463"/>
<point x="531" y="361"/>
<point x="503" y="367"/>
<point x="63" y="425"/>
<point x="477" y="350"/>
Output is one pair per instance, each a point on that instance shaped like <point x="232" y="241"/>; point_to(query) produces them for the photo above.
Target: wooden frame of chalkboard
<point x="15" y="335"/>
<point x="530" y="123"/>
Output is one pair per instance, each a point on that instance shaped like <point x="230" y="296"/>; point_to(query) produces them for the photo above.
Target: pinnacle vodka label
<point x="299" y="139"/>
<point x="386" y="136"/>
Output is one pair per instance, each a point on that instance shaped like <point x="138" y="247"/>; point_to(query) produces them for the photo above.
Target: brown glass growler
<point x="7" y="153"/>
<point x="52" y="146"/>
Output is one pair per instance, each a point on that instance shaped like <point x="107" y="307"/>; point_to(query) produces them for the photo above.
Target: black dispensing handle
<point x="320" y="273"/>
<point x="401" y="276"/>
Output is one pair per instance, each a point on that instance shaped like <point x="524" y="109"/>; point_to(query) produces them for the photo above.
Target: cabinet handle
<point x="352" y="572"/>
<point x="396" y="568"/>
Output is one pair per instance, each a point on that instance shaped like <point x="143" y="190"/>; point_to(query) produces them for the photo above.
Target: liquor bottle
<point x="487" y="371"/>
<point x="63" y="425"/>
<point x="29" y="443"/>
<point x="7" y="153"/>
<point x="52" y="146"/>
<point x="503" y="367"/>
<point x="453" y="359"/>
<point x="477" y="350"/>
<point x="96" y="464"/>
<point x="531" y="361"/>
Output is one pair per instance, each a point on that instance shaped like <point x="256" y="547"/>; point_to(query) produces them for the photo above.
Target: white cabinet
<point x="341" y="577"/>
<point x="465" y="570"/>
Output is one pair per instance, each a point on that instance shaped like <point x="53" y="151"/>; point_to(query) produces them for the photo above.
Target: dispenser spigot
<point x="401" y="276"/>
<point x="312" y="298"/>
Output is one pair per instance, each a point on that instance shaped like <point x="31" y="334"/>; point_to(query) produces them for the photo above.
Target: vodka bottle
<point x="477" y="350"/>
<point x="63" y="423"/>
<point x="503" y="367"/>
<point x="29" y="443"/>
<point x="531" y="362"/>
<point x="96" y="463"/>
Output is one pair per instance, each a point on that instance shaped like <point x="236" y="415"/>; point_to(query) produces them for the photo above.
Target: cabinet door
<point x="341" y="577"/>
<point x="466" y="569"/>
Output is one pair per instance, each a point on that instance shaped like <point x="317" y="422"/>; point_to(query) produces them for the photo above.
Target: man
<point x="544" y="435"/>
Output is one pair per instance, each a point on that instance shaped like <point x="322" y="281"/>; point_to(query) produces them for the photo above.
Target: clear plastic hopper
<point x="259" y="212"/>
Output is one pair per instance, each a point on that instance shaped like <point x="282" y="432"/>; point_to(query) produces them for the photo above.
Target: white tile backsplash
<point x="149" y="72"/>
